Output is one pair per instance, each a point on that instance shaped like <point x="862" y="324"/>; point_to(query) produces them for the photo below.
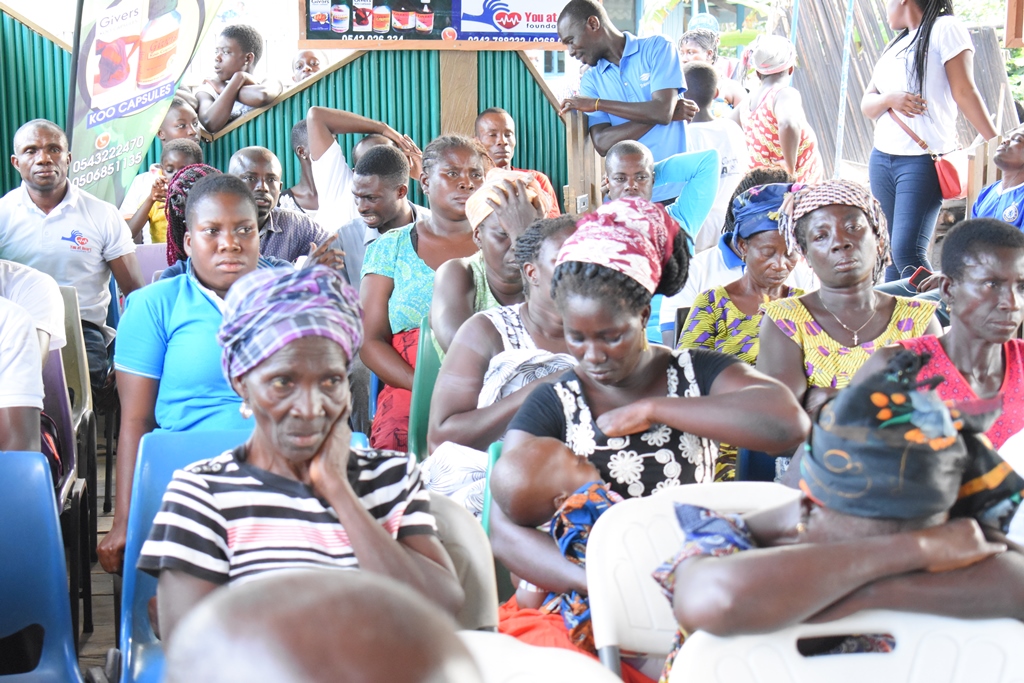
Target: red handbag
<point x="949" y="175"/>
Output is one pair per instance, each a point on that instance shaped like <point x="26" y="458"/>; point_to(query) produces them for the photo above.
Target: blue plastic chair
<point x="160" y="454"/>
<point x="33" y="580"/>
<point x="374" y="392"/>
<point x="754" y="466"/>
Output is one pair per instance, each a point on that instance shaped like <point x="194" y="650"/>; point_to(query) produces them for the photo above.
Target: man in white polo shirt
<point x="49" y="224"/>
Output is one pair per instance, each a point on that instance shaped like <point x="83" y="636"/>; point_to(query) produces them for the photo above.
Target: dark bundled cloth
<point x="269" y="308"/>
<point x="890" y="448"/>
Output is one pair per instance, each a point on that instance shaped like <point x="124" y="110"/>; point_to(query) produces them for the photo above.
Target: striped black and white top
<point x="224" y="520"/>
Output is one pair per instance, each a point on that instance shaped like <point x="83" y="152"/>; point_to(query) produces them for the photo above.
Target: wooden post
<point x="458" y="92"/>
<point x="586" y="167"/>
<point x="982" y="170"/>
<point x="1014" y="36"/>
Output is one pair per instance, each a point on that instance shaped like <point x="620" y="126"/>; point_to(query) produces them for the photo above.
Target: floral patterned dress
<point x="639" y="464"/>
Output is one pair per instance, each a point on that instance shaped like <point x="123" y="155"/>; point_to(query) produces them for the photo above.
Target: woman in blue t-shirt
<point x="167" y="357"/>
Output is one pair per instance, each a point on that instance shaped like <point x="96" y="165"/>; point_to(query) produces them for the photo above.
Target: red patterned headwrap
<point x="630" y="235"/>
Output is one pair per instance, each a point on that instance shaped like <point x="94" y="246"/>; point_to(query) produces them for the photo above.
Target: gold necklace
<point x="874" y="306"/>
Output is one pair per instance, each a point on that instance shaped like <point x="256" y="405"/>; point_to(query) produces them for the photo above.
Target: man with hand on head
<point x="49" y="224"/>
<point x="302" y="195"/>
<point x="496" y="131"/>
<point x="331" y="171"/>
<point x="284" y="234"/>
<point x="631" y="90"/>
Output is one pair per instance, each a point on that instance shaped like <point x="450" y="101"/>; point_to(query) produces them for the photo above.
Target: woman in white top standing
<point x="923" y="76"/>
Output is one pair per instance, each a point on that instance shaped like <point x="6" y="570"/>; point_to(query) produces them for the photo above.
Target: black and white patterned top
<point x="638" y="464"/>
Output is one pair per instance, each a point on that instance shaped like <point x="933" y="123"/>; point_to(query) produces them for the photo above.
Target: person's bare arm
<point x="260" y="94"/>
<point x="177" y="592"/>
<point x="456" y="418"/>
<point x="657" y="111"/>
<point x="767" y="589"/>
<point x="452" y="305"/>
<point x="19" y="429"/>
<point x="781" y="358"/>
<point x="419" y="561"/>
<point x="773" y="420"/>
<point x="138" y="221"/>
<point x="960" y="73"/>
<point x="323" y="124"/>
<point x="215" y="112"/>
<point x="529" y="553"/>
<point x="127" y="273"/>
<point x="789" y="110"/>
<point x="377" y="353"/>
<point x="873" y="104"/>
<point x="138" y="406"/>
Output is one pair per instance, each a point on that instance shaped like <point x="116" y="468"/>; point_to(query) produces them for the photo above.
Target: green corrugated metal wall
<point x="33" y="84"/>
<point x="401" y="88"/>
<point x="504" y="81"/>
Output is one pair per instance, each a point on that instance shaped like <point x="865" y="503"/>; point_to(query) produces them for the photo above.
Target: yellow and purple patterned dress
<point x="829" y="364"/>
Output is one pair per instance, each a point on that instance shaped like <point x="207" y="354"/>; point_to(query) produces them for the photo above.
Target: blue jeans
<point x="98" y="355"/>
<point x="907" y="187"/>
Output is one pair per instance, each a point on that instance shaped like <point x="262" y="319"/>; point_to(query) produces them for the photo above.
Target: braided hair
<point x="932" y="9"/>
<point x="440" y="146"/>
<point x="705" y="38"/>
<point x="528" y="245"/>
<point x="595" y="281"/>
<point x="177" y="194"/>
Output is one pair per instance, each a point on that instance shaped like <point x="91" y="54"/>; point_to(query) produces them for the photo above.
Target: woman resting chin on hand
<point x="289" y="339"/>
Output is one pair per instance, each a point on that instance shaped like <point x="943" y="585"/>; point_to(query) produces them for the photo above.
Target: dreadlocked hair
<point x="595" y="281"/>
<point x="762" y="175"/>
<point x="705" y="38"/>
<point x="440" y="146"/>
<point x="177" y="193"/>
<point x="932" y="9"/>
<point x="528" y="245"/>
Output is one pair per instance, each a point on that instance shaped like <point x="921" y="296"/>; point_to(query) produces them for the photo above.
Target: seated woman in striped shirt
<point x="295" y="494"/>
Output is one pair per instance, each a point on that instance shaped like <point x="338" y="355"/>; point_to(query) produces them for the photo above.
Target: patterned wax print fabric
<point x="393" y="256"/>
<point x="765" y="145"/>
<point x="716" y="323"/>
<point x="571" y="528"/>
<point x="956" y="389"/>
<point x="829" y="364"/>
<point x="710" y="534"/>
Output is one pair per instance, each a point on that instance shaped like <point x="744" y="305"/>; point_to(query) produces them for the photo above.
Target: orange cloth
<point x="544" y="629"/>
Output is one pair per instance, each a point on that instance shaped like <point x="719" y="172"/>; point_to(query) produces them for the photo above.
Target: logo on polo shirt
<point x="78" y="241"/>
<point x="1011" y="213"/>
<point x="645" y="77"/>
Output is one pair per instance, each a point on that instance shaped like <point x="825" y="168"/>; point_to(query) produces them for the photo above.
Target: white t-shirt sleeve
<point x="949" y="38"/>
<point x="140" y="188"/>
<point x="39" y="295"/>
<point x="333" y="178"/>
<point x="21" y="376"/>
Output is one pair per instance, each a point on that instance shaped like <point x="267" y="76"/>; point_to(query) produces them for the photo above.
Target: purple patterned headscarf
<point x="269" y="308"/>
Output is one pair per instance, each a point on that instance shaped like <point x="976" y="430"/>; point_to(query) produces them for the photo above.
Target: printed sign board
<point x="131" y="54"/>
<point x="430" y="24"/>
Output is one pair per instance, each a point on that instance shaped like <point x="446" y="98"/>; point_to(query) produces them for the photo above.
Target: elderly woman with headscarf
<point x="889" y="519"/>
<point x="728" y="317"/>
<point x="646" y="416"/>
<point x="499" y="211"/>
<point x="777" y="130"/>
<point x="815" y="343"/>
<point x="295" y="494"/>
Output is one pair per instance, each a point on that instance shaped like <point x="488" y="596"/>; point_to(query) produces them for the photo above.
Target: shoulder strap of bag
<point x="906" y="129"/>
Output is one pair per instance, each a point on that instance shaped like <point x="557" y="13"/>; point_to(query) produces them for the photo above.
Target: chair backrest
<point x="503" y="659"/>
<point x="682" y="314"/>
<point x="57" y="405"/>
<point x="428" y="365"/>
<point x="152" y="261"/>
<point x="76" y="362"/>
<point x="633" y="537"/>
<point x="160" y="454"/>
<point x="928" y="649"/>
<point x="33" y="579"/>
<point x="467" y="545"/>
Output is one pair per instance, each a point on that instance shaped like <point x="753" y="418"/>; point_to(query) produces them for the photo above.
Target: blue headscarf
<point x="757" y="209"/>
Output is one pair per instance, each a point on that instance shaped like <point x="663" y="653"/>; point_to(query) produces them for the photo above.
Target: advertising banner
<point x="431" y="24"/>
<point x="131" y="55"/>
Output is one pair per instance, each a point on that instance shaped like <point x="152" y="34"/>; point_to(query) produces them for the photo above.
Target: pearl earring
<point x="245" y="411"/>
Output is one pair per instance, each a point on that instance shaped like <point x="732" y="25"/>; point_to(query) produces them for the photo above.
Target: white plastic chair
<point x="503" y="659"/>
<point x="152" y="260"/>
<point x="632" y="538"/>
<point x="929" y="649"/>
<point x="464" y="539"/>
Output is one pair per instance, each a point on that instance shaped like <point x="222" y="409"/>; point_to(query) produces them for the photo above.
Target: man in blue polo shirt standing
<point x="631" y="90"/>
